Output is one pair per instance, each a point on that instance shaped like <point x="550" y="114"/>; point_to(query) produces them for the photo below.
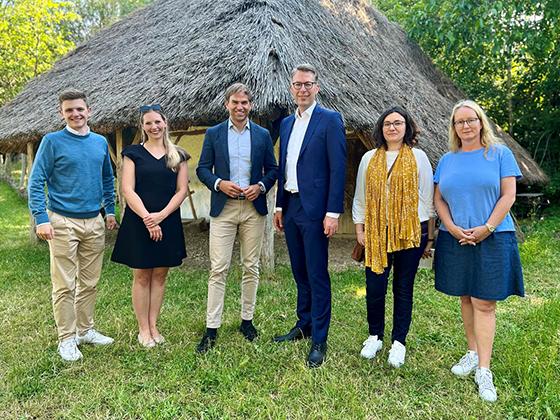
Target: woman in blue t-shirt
<point x="477" y="257"/>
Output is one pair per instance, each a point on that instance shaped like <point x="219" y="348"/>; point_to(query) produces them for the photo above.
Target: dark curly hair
<point x="411" y="134"/>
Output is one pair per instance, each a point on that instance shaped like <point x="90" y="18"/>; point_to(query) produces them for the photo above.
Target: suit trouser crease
<point x="76" y="259"/>
<point x="308" y="250"/>
<point x="405" y="265"/>
<point x="237" y="217"/>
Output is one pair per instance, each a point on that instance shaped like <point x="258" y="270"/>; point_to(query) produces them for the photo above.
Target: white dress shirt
<point x="425" y="185"/>
<point x="294" y="148"/>
<point x="77" y="133"/>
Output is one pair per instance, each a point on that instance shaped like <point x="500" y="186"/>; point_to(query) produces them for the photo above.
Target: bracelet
<point x="491" y="228"/>
<point x="431" y="239"/>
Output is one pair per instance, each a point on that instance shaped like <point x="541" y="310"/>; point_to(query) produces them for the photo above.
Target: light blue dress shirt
<point x="239" y="146"/>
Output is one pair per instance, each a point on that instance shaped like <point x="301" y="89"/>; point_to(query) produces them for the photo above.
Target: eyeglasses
<point x="469" y="122"/>
<point x="299" y="85"/>
<point x="396" y="124"/>
<point x="146" y="108"/>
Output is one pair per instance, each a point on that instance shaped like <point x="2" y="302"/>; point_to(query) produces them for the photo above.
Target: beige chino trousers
<point x="238" y="216"/>
<point x="76" y="258"/>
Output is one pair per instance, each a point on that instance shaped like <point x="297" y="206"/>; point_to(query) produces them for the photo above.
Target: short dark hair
<point x="410" y="135"/>
<point x="71" y="94"/>
<point x="308" y="68"/>
<point x="238" y="88"/>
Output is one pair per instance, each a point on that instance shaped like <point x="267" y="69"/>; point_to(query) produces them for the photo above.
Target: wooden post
<point x="7" y="162"/>
<point x="267" y="254"/>
<point x="118" y="164"/>
<point x="30" y="158"/>
<point x="21" y="184"/>
<point x="366" y="139"/>
<point x="137" y="137"/>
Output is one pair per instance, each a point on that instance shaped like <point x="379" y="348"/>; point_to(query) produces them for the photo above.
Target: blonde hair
<point x="487" y="136"/>
<point x="172" y="154"/>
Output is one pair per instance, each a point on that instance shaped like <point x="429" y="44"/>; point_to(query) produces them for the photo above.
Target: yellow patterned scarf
<point x="392" y="222"/>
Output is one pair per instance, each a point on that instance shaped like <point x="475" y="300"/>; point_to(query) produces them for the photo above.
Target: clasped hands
<point x="470" y="236"/>
<point x="152" y="221"/>
<point x="231" y="189"/>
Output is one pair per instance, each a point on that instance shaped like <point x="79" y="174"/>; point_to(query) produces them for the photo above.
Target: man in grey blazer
<point x="237" y="164"/>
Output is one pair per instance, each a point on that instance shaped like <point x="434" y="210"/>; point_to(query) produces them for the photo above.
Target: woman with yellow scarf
<point x="394" y="219"/>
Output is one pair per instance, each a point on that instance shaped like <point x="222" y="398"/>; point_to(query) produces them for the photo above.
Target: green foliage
<point x="238" y="379"/>
<point x="33" y="34"/>
<point x="97" y="14"/>
<point x="504" y="54"/>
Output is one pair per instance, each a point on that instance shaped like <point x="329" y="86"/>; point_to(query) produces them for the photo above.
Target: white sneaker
<point x="486" y="388"/>
<point x="371" y="346"/>
<point x="94" y="337"/>
<point x="467" y="364"/>
<point x="397" y="354"/>
<point x="68" y="350"/>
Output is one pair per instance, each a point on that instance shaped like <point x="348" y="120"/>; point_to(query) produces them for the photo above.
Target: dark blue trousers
<point x="405" y="265"/>
<point x="309" y="253"/>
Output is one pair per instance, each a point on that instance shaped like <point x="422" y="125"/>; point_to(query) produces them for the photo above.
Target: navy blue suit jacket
<point x="321" y="166"/>
<point x="214" y="164"/>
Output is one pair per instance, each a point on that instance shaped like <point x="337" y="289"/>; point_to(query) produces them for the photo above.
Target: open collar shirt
<point x="239" y="147"/>
<point x="294" y="147"/>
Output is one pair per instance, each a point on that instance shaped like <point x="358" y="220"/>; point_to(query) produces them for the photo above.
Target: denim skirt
<point x="491" y="270"/>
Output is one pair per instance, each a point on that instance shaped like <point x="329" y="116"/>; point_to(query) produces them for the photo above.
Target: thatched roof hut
<point x="183" y="53"/>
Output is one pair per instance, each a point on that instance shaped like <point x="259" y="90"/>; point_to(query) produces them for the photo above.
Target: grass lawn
<point x="264" y="380"/>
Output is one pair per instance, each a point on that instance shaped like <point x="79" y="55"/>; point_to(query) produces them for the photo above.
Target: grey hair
<point x="308" y="68"/>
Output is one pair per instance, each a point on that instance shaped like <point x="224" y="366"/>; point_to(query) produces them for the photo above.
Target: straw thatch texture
<point x="184" y="53"/>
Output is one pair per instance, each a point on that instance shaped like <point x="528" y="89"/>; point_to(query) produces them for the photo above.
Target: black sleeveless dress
<point x="155" y="184"/>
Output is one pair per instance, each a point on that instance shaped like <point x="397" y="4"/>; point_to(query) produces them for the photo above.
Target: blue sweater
<point x="78" y="174"/>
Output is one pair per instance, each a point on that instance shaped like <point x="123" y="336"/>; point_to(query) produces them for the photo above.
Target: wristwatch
<point x="262" y="187"/>
<point x="490" y="227"/>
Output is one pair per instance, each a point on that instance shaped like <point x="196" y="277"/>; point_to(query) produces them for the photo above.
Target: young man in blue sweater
<point x="74" y="164"/>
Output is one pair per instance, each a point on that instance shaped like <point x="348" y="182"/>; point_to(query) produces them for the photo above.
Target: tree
<point x="33" y="34"/>
<point x="503" y="54"/>
<point x="97" y="14"/>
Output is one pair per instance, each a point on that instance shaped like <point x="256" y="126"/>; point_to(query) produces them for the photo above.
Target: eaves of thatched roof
<point x="184" y="53"/>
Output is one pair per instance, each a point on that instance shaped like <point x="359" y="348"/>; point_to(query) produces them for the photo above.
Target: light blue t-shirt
<point x="469" y="183"/>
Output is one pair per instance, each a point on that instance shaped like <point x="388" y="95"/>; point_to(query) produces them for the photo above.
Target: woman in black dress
<point x="150" y="239"/>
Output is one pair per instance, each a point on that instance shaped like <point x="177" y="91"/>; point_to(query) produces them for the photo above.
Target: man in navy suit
<point x="237" y="164"/>
<point x="309" y="201"/>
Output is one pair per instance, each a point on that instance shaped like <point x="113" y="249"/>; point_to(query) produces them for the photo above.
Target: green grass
<point x="263" y="380"/>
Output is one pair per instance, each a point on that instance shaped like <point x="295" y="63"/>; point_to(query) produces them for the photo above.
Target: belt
<point x="291" y="194"/>
<point x="239" y="197"/>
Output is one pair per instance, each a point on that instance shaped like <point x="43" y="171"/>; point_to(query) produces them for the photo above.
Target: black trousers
<point x="405" y="265"/>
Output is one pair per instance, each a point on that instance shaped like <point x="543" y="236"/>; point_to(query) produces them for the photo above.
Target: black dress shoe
<point x="295" y="333"/>
<point x="249" y="331"/>
<point x="206" y="343"/>
<point x="317" y="354"/>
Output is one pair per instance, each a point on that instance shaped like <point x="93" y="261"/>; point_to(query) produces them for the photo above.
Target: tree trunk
<point x="120" y="197"/>
<point x="267" y="254"/>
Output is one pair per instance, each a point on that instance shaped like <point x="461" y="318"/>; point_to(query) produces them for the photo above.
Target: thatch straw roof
<point x="183" y="53"/>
